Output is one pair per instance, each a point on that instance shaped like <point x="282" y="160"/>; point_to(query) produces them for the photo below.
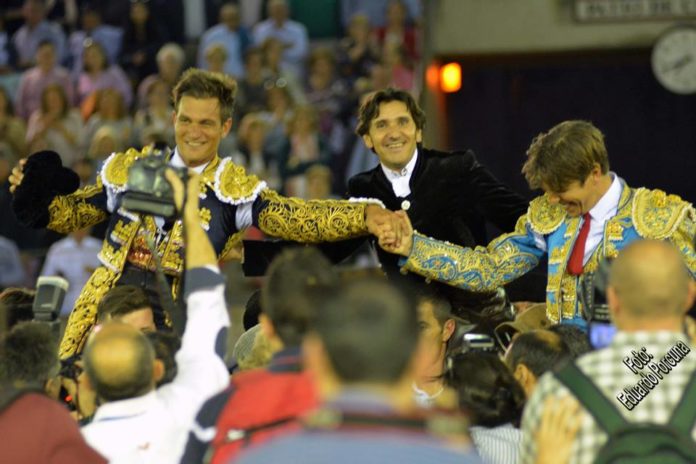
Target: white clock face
<point x="674" y="60"/>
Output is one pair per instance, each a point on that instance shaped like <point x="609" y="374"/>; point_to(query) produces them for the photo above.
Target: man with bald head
<point x="137" y="422"/>
<point x="649" y="364"/>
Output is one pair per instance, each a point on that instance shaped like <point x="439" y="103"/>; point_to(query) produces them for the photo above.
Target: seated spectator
<point x="304" y="146"/>
<point x="170" y="62"/>
<point x="397" y="32"/>
<point x="36" y="29"/>
<point x="13" y="131"/>
<point x="36" y="79"/>
<point x="494" y="400"/>
<point x="318" y="183"/>
<point x="362" y="349"/>
<point x="233" y="37"/>
<point x="157" y="115"/>
<point x="402" y="75"/>
<point x="56" y="125"/>
<point x="649" y="292"/>
<point x="105" y="142"/>
<point x="16" y="305"/>
<point x="12" y="273"/>
<point x="251" y="89"/>
<point x="376" y="10"/>
<point x="142" y="38"/>
<point x="137" y="422"/>
<point x="281" y="107"/>
<point x="277" y="73"/>
<point x="34" y="427"/>
<point x="127" y="304"/>
<point x="291" y="34"/>
<point x="327" y="94"/>
<point x="106" y="35"/>
<point x="574" y="337"/>
<point x="252" y="145"/>
<point x="534" y="353"/>
<point x="279" y="394"/>
<point x="74" y="258"/>
<point x="7" y="52"/>
<point x="358" y="51"/>
<point x="110" y="111"/>
<point x="215" y="56"/>
<point x="98" y="74"/>
<point x="84" y="168"/>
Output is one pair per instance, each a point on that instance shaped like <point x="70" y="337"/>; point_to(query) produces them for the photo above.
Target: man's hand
<point x="403" y="246"/>
<point x="559" y="425"/>
<point x="190" y="209"/>
<point x="17" y="175"/>
<point x="383" y="224"/>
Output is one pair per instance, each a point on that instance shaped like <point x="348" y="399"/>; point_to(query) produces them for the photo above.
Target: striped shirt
<point x="497" y="445"/>
<point x="617" y="372"/>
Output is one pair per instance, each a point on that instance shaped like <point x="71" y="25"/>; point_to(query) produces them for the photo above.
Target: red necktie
<point x="575" y="262"/>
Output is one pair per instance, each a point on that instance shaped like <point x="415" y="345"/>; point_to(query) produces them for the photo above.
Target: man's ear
<point x="158" y="370"/>
<point x="525" y="378"/>
<point x="368" y="141"/>
<point x="614" y="303"/>
<point x="267" y="328"/>
<point x="226" y="126"/>
<point x="448" y="330"/>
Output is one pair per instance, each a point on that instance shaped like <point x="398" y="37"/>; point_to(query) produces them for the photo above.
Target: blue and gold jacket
<point x="224" y="188"/>
<point x="547" y="229"/>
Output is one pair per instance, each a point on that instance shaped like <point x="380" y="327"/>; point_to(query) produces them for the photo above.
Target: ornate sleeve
<point x="308" y="221"/>
<point x="683" y="239"/>
<point x="86" y="207"/>
<point x="481" y="269"/>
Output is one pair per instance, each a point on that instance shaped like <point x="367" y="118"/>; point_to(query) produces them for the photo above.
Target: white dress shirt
<point x="400" y="179"/>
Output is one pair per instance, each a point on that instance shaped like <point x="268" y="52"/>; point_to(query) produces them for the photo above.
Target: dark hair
<point x="574" y="337"/>
<point x="197" y="83"/>
<point x="295" y="283"/>
<point x="369" y="331"/>
<point x="134" y="375"/>
<point x="121" y="300"/>
<point x="29" y="354"/>
<point x="432" y="293"/>
<point x="252" y="310"/>
<point x="166" y="345"/>
<point x="487" y="389"/>
<point x="370" y="109"/>
<point x="17" y="305"/>
<point x="540" y="350"/>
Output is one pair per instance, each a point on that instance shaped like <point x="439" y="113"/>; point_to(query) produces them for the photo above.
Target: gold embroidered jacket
<point x="230" y="202"/>
<point x="547" y="229"/>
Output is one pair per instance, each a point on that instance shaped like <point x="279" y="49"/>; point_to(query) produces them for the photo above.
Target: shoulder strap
<point x="684" y="415"/>
<point x="603" y="411"/>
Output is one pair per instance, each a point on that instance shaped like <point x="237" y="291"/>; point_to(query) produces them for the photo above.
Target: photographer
<point x="34" y="427"/>
<point x="231" y="201"/>
<point x="137" y="422"/>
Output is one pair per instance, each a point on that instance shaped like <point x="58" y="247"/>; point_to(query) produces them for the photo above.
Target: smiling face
<point x="393" y="135"/>
<point x="580" y="197"/>
<point x="198" y="129"/>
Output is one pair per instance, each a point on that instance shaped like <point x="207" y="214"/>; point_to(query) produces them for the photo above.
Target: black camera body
<point x="148" y="191"/>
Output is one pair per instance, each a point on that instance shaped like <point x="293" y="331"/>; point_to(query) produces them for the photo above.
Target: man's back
<point x="617" y="380"/>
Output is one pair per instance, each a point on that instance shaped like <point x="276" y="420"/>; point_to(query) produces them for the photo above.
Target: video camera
<point x="50" y="294"/>
<point x="148" y="191"/>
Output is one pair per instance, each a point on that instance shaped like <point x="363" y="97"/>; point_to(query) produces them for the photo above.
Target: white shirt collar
<point x="124" y="409"/>
<point x="607" y="206"/>
<point x="406" y="171"/>
<point x="178" y="162"/>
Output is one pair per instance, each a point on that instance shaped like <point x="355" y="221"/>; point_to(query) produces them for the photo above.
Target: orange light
<point x="432" y="76"/>
<point x="451" y="77"/>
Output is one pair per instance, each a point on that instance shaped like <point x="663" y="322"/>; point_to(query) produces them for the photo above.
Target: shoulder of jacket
<point x="114" y="173"/>
<point x="544" y="217"/>
<point x="657" y="215"/>
<point x="234" y="186"/>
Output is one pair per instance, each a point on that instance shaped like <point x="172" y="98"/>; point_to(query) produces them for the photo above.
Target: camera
<point x="148" y="191"/>
<point x="50" y="293"/>
<point x="592" y="294"/>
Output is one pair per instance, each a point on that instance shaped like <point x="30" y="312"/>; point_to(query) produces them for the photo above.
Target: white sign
<point x="631" y="10"/>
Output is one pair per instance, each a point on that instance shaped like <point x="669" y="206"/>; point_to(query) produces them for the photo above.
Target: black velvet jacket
<point x="452" y="196"/>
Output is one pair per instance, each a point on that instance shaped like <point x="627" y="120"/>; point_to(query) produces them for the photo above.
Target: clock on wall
<point x="674" y="59"/>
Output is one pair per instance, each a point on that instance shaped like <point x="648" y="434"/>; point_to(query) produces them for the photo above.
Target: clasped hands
<point x="393" y="230"/>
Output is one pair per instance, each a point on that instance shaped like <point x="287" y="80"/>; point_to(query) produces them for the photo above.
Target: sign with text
<point x="633" y="10"/>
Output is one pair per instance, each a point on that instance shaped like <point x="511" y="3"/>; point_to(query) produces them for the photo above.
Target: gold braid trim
<point x="657" y="215"/>
<point x="683" y="239"/>
<point x="84" y="315"/>
<point x="114" y="174"/>
<point x="232" y="250"/>
<point x="481" y="269"/>
<point x="71" y="212"/>
<point x="544" y="217"/>
<point x="311" y="221"/>
<point x="233" y="185"/>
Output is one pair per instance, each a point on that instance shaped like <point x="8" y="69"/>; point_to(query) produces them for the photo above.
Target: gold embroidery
<point x="171" y="249"/>
<point x="614" y="231"/>
<point x="310" y="221"/>
<point x="84" y="315"/>
<point x="234" y="186"/>
<point x="544" y="217"/>
<point x="116" y="167"/>
<point x="683" y="239"/>
<point x="479" y="269"/>
<point x="232" y="250"/>
<point x="205" y="216"/>
<point x="122" y="232"/>
<point x="569" y="295"/>
<point x="657" y="215"/>
<point x="71" y="212"/>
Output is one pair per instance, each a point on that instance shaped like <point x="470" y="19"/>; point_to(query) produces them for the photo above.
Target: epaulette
<point x="114" y="173"/>
<point x="544" y="217"/>
<point x="657" y="215"/>
<point x="234" y="186"/>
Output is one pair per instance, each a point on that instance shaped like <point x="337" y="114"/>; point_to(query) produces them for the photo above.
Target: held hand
<point x="559" y="425"/>
<point x="403" y="247"/>
<point x="17" y="175"/>
<point x="383" y="224"/>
